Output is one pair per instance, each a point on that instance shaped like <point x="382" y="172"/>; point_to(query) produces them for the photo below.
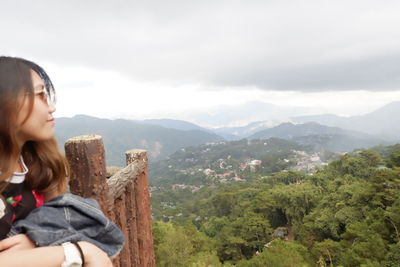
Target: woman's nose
<point x="52" y="108"/>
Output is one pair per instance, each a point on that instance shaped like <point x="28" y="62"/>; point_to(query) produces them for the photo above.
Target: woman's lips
<point x="51" y="121"/>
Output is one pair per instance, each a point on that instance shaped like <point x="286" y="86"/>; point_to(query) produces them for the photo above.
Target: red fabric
<point x="16" y="199"/>
<point x="39" y="197"/>
<point x="13" y="218"/>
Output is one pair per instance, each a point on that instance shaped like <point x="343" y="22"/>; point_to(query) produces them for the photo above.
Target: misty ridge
<point x="162" y="137"/>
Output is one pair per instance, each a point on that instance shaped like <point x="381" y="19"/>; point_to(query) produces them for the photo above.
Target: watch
<point x="72" y="255"/>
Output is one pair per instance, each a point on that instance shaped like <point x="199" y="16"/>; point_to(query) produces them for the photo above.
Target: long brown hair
<point x="47" y="166"/>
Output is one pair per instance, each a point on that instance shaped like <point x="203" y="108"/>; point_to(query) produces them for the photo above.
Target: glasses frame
<point x="44" y="96"/>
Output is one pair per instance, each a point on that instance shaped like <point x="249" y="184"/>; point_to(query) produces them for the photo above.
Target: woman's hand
<point x="94" y="257"/>
<point x="17" y="242"/>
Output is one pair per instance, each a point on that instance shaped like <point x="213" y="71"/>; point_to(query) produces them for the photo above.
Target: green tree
<point x="280" y="254"/>
<point x="182" y="246"/>
<point x="393" y="256"/>
<point x="371" y="157"/>
<point x="327" y="250"/>
<point x="394" y="160"/>
<point x="393" y="215"/>
<point x="286" y="177"/>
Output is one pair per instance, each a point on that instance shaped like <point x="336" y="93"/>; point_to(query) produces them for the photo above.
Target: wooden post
<point x="124" y="197"/>
<point x="122" y="189"/>
<point x="86" y="158"/>
<point x="143" y="208"/>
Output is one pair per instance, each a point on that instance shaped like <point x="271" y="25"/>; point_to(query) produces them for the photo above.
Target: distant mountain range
<point x="237" y="133"/>
<point x="321" y="137"/>
<point x="121" y="135"/>
<point x="162" y="137"/>
<point x="289" y="131"/>
<point x="384" y="122"/>
<point x="231" y="116"/>
<point x="175" y="124"/>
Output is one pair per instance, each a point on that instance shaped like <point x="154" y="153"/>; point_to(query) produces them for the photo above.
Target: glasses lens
<point x="50" y="100"/>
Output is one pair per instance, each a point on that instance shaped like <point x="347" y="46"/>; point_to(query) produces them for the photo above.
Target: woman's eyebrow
<point x="39" y="86"/>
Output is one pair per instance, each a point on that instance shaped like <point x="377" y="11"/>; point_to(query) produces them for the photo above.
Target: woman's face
<point x="40" y="124"/>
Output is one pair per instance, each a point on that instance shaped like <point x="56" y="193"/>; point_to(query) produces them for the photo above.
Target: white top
<point x="19" y="177"/>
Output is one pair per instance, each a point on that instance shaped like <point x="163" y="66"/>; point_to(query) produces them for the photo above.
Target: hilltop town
<point x="195" y="167"/>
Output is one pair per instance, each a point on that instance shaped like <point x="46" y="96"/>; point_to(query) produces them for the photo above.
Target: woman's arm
<point x="16" y="251"/>
<point x="43" y="257"/>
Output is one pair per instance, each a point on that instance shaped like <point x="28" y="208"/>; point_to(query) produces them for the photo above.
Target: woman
<point x="32" y="170"/>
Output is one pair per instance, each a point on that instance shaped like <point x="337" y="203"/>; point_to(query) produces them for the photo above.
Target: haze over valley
<point x="162" y="137"/>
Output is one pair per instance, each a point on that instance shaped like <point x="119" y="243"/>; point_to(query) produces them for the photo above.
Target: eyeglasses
<point x="44" y="96"/>
<point x="41" y="92"/>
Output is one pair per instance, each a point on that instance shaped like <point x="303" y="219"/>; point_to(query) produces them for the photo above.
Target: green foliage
<point x="394" y="160"/>
<point x="275" y="163"/>
<point x="327" y="251"/>
<point x="182" y="246"/>
<point x="286" y="177"/>
<point x="349" y="165"/>
<point x="280" y="254"/>
<point x="295" y="200"/>
<point x="346" y="214"/>
<point x="223" y="203"/>
<point x="392" y="214"/>
<point x="183" y="166"/>
<point x="371" y="158"/>
<point x="393" y="256"/>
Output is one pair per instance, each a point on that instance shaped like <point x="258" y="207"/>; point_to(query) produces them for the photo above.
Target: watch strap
<point x="72" y="255"/>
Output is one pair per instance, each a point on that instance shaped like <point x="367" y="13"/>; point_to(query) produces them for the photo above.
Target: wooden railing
<point x="124" y="197"/>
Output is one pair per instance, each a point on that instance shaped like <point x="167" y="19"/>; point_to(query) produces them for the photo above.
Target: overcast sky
<point x="171" y="58"/>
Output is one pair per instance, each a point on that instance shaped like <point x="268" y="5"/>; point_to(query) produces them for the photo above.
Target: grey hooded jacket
<point x="70" y="218"/>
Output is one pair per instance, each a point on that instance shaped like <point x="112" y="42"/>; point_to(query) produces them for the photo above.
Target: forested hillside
<point x="216" y="163"/>
<point x="345" y="214"/>
<point x="122" y="135"/>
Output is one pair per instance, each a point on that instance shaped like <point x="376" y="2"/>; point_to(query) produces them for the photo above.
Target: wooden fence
<point x="124" y="197"/>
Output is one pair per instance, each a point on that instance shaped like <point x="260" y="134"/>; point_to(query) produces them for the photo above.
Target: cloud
<point x="379" y="73"/>
<point x="313" y="45"/>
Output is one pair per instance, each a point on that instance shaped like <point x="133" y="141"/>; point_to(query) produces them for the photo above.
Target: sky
<point x="179" y="58"/>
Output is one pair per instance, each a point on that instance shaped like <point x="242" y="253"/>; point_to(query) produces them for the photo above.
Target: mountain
<point x="338" y="142"/>
<point x="121" y="135"/>
<point x="384" y="122"/>
<point x="289" y="130"/>
<point x="320" y="136"/>
<point x="228" y="133"/>
<point x="237" y="133"/>
<point x="233" y="116"/>
<point x="175" y="124"/>
<point x="188" y="165"/>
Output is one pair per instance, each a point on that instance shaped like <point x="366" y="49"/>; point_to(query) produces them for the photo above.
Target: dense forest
<point x="345" y="214"/>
